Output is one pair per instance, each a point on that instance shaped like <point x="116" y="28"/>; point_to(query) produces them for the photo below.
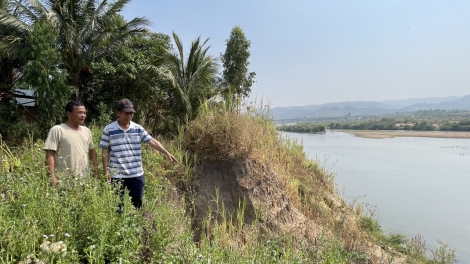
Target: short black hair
<point x="71" y="104"/>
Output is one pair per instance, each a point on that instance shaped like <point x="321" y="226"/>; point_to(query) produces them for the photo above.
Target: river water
<point x="416" y="185"/>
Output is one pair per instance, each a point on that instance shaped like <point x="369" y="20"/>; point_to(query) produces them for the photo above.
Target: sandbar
<point x="405" y="133"/>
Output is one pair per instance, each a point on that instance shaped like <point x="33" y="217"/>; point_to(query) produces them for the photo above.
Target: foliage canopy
<point x="235" y="62"/>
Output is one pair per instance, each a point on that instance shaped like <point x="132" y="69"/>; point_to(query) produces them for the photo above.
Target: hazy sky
<point x="313" y="52"/>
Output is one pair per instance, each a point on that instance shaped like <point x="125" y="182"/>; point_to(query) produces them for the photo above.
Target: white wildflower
<point x="51" y="235"/>
<point x="67" y="235"/>
<point x="53" y="248"/>
<point x="45" y="246"/>
<point x="28" y="259"/>
<point x="56" y="247"/>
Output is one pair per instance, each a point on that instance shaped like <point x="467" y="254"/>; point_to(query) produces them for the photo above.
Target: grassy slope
<point x="35" y="217"/>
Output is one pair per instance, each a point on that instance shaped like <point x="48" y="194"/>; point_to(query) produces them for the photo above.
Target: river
<point x="416" y="185"/>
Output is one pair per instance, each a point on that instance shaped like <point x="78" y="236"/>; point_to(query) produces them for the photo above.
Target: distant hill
<point x="361" y="108"/>
<point x="460" y="103"/>
<point x="413" y="101"/>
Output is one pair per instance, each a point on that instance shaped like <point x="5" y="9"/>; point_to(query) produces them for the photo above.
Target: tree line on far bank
<point x="302" y="128"/>
<point x="85" y="50"/>
<point x="392" y="124"/>
<point x="382" y="124"/>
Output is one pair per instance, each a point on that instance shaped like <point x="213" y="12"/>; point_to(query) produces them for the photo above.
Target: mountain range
<point x="362" y="108"/>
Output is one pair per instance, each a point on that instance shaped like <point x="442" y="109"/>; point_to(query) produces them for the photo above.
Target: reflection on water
<point x="419" y="185"/>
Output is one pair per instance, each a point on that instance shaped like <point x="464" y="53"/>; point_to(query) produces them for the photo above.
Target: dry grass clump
<point x="221" y="135"/>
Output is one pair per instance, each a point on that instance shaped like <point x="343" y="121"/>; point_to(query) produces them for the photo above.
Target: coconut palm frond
<point x="37" y="6"/>
<point x="193" y="76"/>
<point x="24" y="12"/>
<point x="138" y="24"/>
<point x="11" y="25"/>
<point x="116" y="7"/>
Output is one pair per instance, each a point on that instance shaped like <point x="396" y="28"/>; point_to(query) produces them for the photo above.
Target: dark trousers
<point x="136" y="189"/>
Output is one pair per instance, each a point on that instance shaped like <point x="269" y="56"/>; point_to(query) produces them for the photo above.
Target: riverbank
<point x="417" y="184"/>
<point x="405" y="133"/>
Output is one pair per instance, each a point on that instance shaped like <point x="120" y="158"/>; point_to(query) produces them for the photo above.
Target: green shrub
<point x="13" y="126"/>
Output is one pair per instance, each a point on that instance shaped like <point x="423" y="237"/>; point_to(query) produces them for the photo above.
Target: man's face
<point x="125" y="116"/>
<point x="78" y="115"/>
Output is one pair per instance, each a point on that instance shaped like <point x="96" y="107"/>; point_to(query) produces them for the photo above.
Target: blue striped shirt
<point x="125" y="152"/>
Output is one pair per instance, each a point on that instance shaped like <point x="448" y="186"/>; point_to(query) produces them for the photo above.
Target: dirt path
<point x="405" y="133"/>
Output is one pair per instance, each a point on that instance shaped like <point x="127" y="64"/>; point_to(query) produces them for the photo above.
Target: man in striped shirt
<point x="122" y="153"/>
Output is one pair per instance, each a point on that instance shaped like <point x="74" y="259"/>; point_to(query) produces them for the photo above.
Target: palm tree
<point x="12" y="33"/>
<point x="87" y="31"/>
<point x="193" y="80"/>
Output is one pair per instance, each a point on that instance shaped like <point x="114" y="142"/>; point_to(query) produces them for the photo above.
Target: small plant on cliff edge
<point x="394" y="240"/>
<point x="416" y="247"/>
<point x="443" y="254"/>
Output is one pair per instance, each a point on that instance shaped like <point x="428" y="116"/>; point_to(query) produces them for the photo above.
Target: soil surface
<point x="243" y="185"/>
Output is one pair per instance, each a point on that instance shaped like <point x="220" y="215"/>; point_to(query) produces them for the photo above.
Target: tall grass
<point x="81" y="218"/>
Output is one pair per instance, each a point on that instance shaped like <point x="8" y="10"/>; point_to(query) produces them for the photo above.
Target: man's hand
<point x="107" y="175"/>
<point x="172" y="158"/>
<point x="54" y="181"/>
<point x="158" y="146"/>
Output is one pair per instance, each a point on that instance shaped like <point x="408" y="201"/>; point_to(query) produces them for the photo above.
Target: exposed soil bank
<point x="405" y="133"/>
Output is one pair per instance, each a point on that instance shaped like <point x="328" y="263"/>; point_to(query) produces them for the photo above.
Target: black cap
<point x="125" y="105"/>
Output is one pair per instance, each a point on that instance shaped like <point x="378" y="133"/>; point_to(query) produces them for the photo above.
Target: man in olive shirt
<point x="69" y="146"/>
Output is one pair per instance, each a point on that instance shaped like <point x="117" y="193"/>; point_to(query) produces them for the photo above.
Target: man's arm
<point x="105" y="161"/>
<point x="94" y="161"/>
<point x="158" y="146"/>
<point x="50" y="162"/>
